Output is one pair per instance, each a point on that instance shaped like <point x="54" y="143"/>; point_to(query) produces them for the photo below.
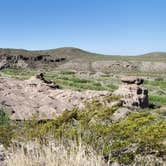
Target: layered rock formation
<point x="132" y="92"/>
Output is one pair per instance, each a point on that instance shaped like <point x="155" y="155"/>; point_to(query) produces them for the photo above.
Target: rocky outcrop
<point x="132" y="92"/>
<point x="27" y="60"/>
<point x="51" y="84"/>
<point x="27" y="98"/>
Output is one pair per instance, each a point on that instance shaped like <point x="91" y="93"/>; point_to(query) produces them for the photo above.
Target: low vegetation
<point x="68" y="79"/>
<point x="18" y="73"/>
<point x="54" y="155"/>
<point x="98" y="140"/>
<point x="157" y="91"/>
<point x="141" y="133"/>
<point x="6" y="128"/>
<point x="160" y="100"/>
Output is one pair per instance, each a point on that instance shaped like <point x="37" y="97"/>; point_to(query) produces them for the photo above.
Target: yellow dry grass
<point x="54" y="155"/>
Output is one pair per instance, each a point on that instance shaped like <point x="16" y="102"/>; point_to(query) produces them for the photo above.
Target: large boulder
<point x="132" y="92"/>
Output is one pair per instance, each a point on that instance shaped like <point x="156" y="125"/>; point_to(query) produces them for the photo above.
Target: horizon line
<point x="82" y="49"/>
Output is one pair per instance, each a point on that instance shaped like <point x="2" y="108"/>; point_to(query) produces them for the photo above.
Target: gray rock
<point x="120" y="113"/>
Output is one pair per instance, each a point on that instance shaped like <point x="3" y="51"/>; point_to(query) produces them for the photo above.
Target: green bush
<point x="94" y="126"/>
<point x="4" y="118"/>
<point x="6" y="129"/>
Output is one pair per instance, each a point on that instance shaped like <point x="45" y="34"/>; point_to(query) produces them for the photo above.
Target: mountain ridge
<point x="74" y="50"/>
<point x="69" y="58"/>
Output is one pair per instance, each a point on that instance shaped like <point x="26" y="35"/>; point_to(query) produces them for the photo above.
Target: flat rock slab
<point x="29" y="97"/>
<point x="132" y="80"/>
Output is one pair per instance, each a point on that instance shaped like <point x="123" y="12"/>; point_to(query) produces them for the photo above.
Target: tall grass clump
<point x="54" y="155"/>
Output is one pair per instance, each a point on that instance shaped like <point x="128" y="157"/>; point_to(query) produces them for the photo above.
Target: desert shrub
<point x="4" y="118"/>
<point x="6" y="128"/>
<point x="5" y="135"/>
<point x="94" y="126"/>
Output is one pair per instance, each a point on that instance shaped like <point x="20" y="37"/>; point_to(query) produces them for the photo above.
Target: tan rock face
<point x="34" y="96"/>
<point x="132" y="93"/>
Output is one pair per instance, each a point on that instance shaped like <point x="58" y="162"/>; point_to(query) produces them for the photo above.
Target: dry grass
<point x="33" y="154"/>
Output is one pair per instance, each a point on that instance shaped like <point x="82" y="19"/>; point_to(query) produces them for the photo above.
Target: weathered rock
<point x="120" y="113"/>
<point x="22" y="64"/>
<point x="2" y="155"/>
<point x="132" y="80"/>
<point x="49" y="83"/>
<point x="34" y="96"/>
<point x="132" y="93"/>
<point x="3" y="64"/>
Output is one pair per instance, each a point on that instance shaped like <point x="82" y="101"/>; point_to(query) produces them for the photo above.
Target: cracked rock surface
<point x="34" y="96"/>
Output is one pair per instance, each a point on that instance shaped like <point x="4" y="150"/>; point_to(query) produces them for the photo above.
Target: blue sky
<point x="103" y="26"/>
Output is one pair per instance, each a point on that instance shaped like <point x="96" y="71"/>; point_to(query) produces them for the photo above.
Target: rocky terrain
<point x="36" y="96"/>
<point x="26" y="98"/>
<point x="76" y="59"/>
<point x="113" y="105"/>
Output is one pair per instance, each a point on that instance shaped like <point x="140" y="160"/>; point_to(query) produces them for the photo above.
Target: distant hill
<point x="155" y="55"/>
<point x="77" y="59"/>
<point x="70" y="53"/>
<point x="67" y="52"/>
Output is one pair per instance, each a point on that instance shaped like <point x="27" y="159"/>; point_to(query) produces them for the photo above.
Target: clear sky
<point x="103" y="26"/>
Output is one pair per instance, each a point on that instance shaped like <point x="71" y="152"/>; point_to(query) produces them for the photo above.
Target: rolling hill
<point x="68" y="58"/>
